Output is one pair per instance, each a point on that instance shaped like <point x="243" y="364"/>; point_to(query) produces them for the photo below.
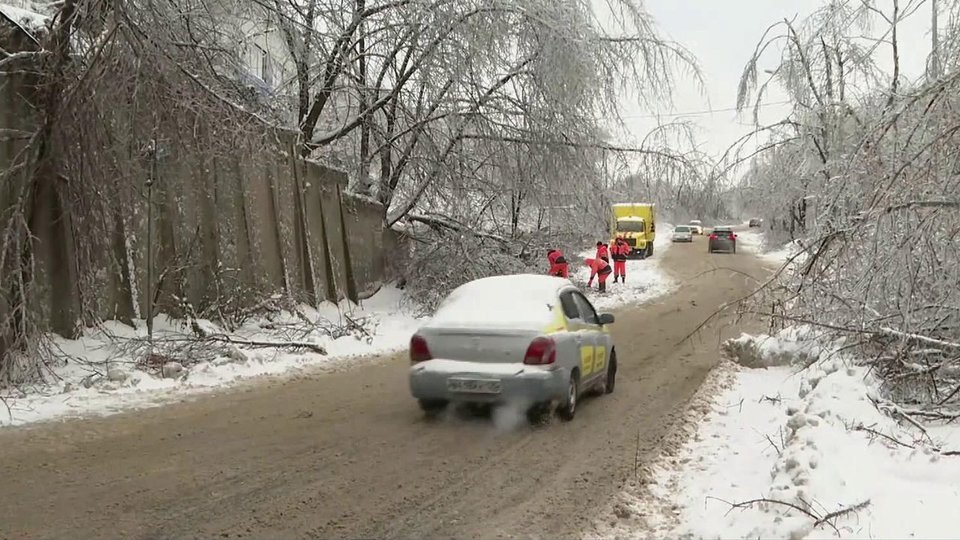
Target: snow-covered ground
<point x="753" y="240"/>
<point x="645" y="279"/>
<point x="105" y="370"/>
<point x="813" y="444"/>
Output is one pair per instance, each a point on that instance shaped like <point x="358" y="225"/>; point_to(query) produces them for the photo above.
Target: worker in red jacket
<point x="620" y="251"/>
<point x="558" y="265"/>
<point x="603" y="252"/>
<point x="601" y="270"/>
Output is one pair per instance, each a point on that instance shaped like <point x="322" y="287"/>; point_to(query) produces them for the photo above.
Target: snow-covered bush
<point x="787" y="348"/>
<point x="442" y="261"/>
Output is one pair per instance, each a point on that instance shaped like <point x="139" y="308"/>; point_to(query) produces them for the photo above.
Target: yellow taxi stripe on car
<point x="586" y="361"/>
<point x="559" y="323"/>
<point x="599" y="358"/>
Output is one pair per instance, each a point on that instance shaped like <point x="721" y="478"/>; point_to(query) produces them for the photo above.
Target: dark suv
<point x="722" y="239"/>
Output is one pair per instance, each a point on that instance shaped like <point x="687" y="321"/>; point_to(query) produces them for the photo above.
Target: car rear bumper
<point x="722" y="246"/>
<point x="518" y="382"/>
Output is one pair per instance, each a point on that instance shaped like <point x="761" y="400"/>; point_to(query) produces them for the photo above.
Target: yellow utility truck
<point x="636" y="223"/>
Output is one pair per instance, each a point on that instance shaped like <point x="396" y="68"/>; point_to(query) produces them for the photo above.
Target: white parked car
<point x="696" y="226"/>
<point x="682" y="233"/>
<point x="529" y="339"/>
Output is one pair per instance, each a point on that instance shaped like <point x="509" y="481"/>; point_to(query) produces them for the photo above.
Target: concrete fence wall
<point x="229" y="230"/>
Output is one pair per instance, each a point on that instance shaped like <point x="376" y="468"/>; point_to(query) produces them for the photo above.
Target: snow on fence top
<point x="521" y="301"/>
<point x="29" y="21"/>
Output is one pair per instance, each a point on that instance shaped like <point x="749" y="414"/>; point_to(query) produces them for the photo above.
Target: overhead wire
<point x="696" y="113"/>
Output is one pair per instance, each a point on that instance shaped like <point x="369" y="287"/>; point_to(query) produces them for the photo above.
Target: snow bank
<point x="105" y="372"/>
<point x="793" y="346"/>
<point x="513" y="301"/>
<point x="645" y="279"/>
<point x="814" y="445"/>
<point x="755" y="241"/>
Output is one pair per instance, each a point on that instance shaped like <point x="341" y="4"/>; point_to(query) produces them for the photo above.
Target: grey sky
<point x="722" y="34"/>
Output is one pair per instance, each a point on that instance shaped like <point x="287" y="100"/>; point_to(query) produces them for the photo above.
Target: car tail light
<point x="542" y="351"/>
<point x="733" y="237"/>
<point x="419" y="351"/>
<point x="713" y="237"/>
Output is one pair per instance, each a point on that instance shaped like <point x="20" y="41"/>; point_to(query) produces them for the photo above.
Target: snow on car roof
<point x="630" y="218"/>
<point x="515" y="301"/>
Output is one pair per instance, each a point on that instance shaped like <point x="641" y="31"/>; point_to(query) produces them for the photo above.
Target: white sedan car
<point x="682" y="233"/>
<point x="522" y="339"/>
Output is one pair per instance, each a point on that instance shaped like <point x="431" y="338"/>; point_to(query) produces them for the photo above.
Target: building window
<point x="266" y="72"/>
<point x="259" y="63"/>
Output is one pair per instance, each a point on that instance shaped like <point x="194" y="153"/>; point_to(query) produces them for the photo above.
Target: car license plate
<point x="474" y="386"/>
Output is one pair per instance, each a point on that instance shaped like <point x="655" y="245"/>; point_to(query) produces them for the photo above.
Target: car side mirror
<point x="606" y="318"/>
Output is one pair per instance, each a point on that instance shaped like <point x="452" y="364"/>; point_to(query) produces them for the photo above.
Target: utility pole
<point x="935" y="46"/>
<point x="149" y="285"/>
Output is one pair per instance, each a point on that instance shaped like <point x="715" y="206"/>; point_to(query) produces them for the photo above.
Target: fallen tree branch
<point x="826" y="519"/>
<point x="923" y="204"/>
<point x="447" y="223"/>
<point x="356" y="325"/>
<point x="774" y="445"/>
<point x="918" y="338"/>
<point x="930" y="415"/>
<point x="751" y="502"/>
<point x="840" y="513"/>
<point x="861" y="427"/>
<point x="268" y="344"/>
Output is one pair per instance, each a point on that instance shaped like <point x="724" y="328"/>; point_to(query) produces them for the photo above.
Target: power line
<point x="700" y="113"/>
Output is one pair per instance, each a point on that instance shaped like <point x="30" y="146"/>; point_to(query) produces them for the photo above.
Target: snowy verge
<point x="755" y="242"/>
<point x="788" y="454"/>
<point x="645" y="279"/>
<point x="111" y="369"/>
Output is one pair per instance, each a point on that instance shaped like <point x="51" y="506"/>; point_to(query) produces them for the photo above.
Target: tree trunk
<point x="363" y="179"/>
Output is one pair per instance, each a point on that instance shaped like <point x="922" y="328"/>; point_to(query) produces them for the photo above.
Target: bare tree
<point x="866" y="180"/>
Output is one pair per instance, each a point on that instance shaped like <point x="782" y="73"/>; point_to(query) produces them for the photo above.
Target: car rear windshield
<point x="682" y="229"/>
<point x="723" y="232"/>
<point x="624" y="225"/>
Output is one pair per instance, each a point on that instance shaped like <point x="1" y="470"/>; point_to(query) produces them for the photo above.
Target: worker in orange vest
<point x="620" y="251"/>
<point x="603" y="251"/>
<point x="599" y="269"/>
<point x="558" y="264"/>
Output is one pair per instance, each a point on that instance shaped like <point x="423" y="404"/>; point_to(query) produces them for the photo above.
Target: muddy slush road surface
<point x="349" y="455"/>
